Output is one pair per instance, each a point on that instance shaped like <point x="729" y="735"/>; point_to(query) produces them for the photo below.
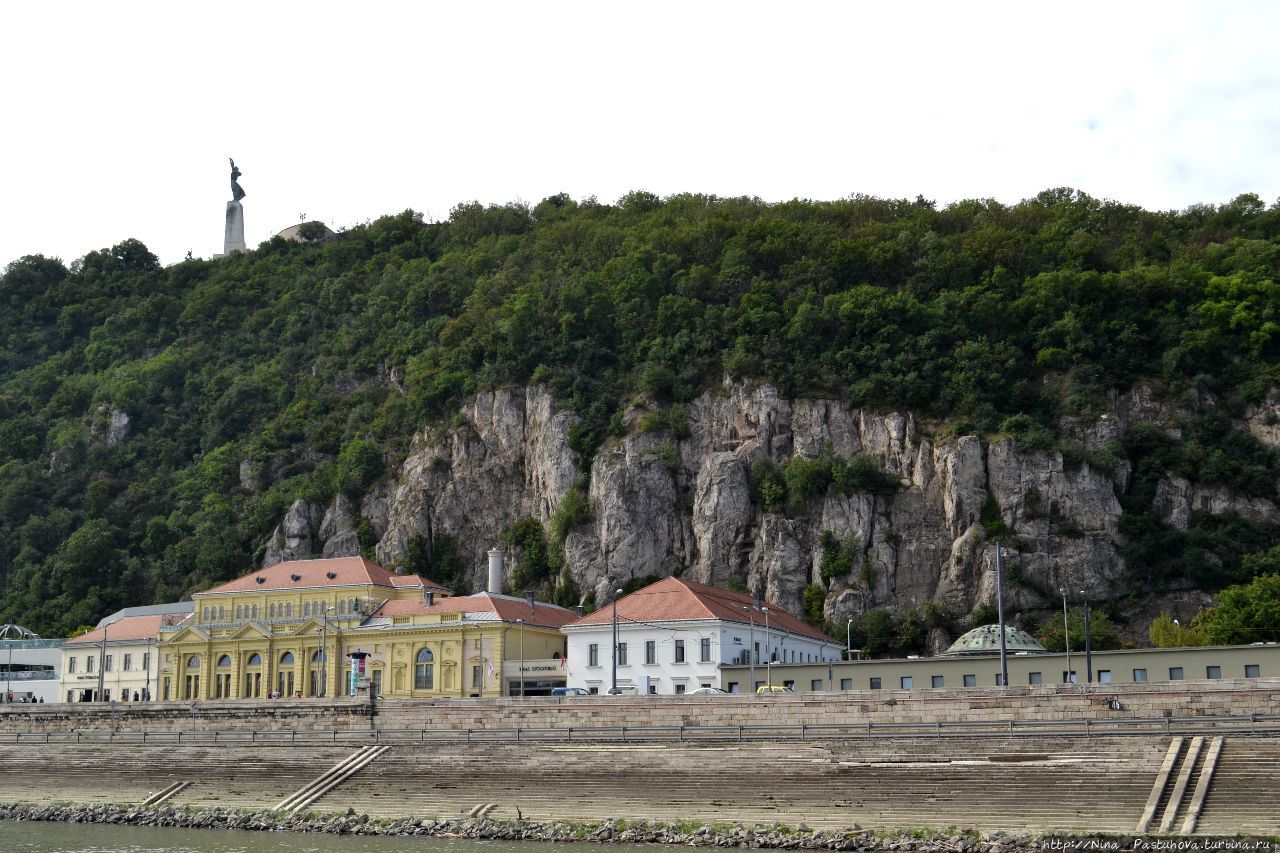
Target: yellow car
<point x="775" y="688"/>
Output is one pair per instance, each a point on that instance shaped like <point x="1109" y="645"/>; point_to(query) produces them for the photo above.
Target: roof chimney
<point x="496" y="557"/>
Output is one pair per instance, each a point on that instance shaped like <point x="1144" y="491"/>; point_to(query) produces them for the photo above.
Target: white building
<point x="674" y="635"/>
<point x="30" y="670"/>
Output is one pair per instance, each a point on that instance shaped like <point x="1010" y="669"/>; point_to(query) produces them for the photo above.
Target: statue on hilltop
<point x="236" y="192"/>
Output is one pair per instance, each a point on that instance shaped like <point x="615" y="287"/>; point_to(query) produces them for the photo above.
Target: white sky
<point x="119" y="116"/>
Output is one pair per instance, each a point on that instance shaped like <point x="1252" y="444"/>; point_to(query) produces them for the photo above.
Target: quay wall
<point x="973" y="705"/>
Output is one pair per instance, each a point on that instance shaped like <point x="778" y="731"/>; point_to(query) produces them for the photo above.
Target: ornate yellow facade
<point x="294" y="629"/>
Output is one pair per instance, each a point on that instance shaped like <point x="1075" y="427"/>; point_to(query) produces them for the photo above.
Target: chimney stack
<point x="496" y="557"/>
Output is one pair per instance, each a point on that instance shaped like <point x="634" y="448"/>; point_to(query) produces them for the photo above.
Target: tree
<point x="1101" y="633"/>
<point x="1167" y="633"/>
<point x="1245" y="613"/>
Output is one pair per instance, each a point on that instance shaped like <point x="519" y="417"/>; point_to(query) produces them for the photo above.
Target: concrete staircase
<point x="1245" y="795"/>
<point x="1005" y="783"/>
<point x="1098" y="784"/>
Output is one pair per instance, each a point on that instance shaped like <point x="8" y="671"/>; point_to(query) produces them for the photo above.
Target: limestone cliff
<point x="664" y="505"/>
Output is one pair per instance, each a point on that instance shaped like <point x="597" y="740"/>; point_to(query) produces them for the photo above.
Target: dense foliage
<point x="312" y="363"/>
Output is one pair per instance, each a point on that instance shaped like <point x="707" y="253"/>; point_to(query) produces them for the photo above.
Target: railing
<point x="31" y="644"/>
<point x="1149" y="726"/>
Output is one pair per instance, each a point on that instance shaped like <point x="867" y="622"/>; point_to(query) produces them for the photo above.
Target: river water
<point x="37" y="837"/>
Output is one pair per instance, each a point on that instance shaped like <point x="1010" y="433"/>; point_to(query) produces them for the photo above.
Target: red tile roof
<point x="347" y="571"/>
<point x="123" y="630"/>
<point x="676" y="599"/>
<point x="506" y="608"/>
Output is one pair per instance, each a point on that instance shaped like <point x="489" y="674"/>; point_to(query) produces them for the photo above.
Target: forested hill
<point x="131" y="394"/>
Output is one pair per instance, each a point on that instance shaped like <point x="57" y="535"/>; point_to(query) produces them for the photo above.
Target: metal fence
<point x="1141" y="726"/>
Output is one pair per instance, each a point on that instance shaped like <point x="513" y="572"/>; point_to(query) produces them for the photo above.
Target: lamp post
<point x="1004" y="656"/>
<point x="102" y="664"/>
<point x="768" y="664"/>
<point x="1088" y="642"/>
<point x="520" y="622"/>
<point x="614" y="657"/>
<point x="751" y="647"/>
<point x="1066" y="633"/>
<point x="848" y="639"/>
<point x="324" y="647"/>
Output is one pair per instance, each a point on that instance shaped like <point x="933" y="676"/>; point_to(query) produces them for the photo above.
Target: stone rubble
<point x="771" y="837"/>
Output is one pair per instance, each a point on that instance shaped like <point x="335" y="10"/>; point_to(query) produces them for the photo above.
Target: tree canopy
<point x="301" y="370"/>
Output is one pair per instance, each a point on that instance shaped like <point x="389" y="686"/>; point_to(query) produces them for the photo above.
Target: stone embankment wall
<point x="974" y="705"/>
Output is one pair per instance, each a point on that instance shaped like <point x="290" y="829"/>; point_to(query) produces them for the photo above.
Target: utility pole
<point x="102" y="664"/>
<point x="1066" y="633"/>
<point x="1088" y="642"/>
<point x="520" y="622"/>
<point x="1004" y="655"/>
<point x="614" y="656"/>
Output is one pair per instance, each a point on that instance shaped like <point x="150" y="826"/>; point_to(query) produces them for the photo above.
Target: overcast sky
<point x="119" y="117"/>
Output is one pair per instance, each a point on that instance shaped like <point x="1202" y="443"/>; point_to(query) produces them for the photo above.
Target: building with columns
<point x="296" y="629"/>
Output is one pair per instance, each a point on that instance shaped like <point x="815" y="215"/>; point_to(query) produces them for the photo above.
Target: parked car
<point x="620" y="691"/>
<point x="707" y="691"/>
<point x="570" y="691"/>
<point x="774" y="688"/>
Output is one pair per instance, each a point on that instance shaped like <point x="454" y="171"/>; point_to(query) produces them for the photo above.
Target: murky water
<point x="36" y="837"/>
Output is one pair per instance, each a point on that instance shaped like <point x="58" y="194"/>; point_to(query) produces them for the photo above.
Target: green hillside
<point x="317" y="361"/>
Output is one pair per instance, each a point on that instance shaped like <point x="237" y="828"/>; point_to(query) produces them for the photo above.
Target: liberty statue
<point x="236" y="192"/>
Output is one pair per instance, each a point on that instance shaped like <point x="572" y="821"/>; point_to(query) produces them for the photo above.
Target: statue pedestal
<point x="234" y="241"/>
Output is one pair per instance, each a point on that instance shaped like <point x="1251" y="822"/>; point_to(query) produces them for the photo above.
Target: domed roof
<point x="986" y="639"/>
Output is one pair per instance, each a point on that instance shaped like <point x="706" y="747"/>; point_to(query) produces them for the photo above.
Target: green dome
<point x="986" y="639"/>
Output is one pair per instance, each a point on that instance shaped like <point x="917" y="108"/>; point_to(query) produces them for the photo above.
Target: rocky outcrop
<point x="663" y="504"/>
<point x="110" y="425"/>
<point x="295" y="537"/>
<point x="1176" y="498"/>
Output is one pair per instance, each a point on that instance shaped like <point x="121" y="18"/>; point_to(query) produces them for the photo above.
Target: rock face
<point x="294" y="538"/>
<point x="663" y="505"/>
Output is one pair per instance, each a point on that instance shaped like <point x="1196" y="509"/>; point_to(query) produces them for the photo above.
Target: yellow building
<point x="295" y="628"/>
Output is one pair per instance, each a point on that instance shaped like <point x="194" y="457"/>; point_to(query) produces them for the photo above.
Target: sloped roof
<point x="122" y="630"/>
<point x="347" y="571"/>
<point x="173" y="608"/>
<point x="678" y="600"/>
<point x="507" y="608"/>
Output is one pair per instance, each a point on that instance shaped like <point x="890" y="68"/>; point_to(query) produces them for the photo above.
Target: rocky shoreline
<point x="775" y="836"/>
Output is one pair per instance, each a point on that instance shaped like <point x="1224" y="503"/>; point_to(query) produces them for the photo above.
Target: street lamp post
<point x="324" y="649"/>
<point x="1004" y="656"/>
<point x="848" y="639"/>
<point x="614" y="657"/>
<point x="768" y="664"/>
<point x="520" y="622"/>
<point x="102" y="664"/>
<point x="1088" y="642"/>
<point x="751" y="647"/>
<point x="1066" y="633"/>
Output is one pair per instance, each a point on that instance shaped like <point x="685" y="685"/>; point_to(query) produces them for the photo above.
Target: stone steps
<point x="1099" y="784"/>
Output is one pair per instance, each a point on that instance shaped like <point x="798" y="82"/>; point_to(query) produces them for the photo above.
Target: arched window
<point x="239" y="612"/>
<point x="255" y="659"/>
<point x="286" y="659"/>
<point x="424" y="670"/>
<point x="355" y="605"/>
<point x="288" y="609"/>
<point x="306" y="608"/>
<point x="193" y="662"/>
<point x="222" y="612"/>
<point x="271" y="611"/>
<point x="255" y="612"/>
<point x="342" y="607"/>
<point x="317" y="656"/>
<point x="225" y="660"/>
